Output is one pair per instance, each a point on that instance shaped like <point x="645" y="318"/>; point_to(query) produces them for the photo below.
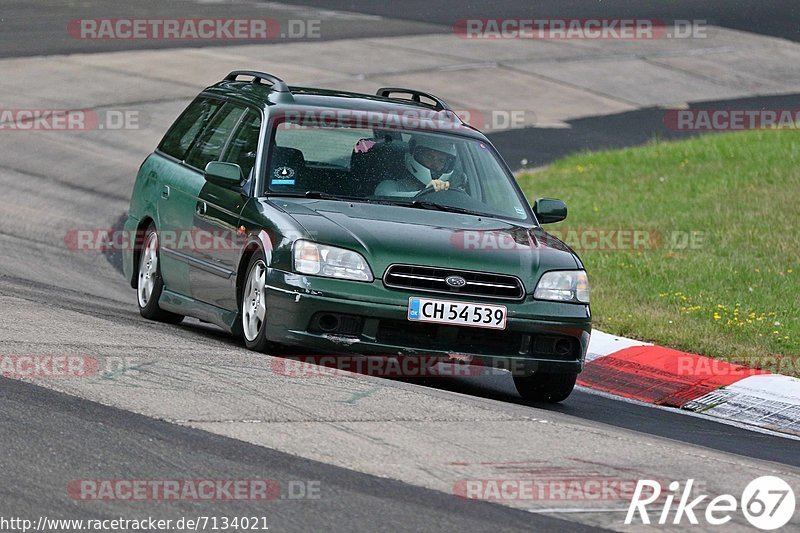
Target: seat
<point x="384" y="160"/>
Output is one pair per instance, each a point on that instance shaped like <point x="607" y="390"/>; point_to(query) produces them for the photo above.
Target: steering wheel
<point x="430" y="190"/>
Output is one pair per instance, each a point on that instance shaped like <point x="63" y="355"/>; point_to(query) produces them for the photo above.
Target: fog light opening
<point x="328" y="323"/>
<point x="563" y="347"/>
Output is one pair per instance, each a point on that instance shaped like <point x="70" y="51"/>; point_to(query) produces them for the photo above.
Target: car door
<point x="219" y="211"/>
<point x="217" y="208"/>
<point x="179" y="187"/>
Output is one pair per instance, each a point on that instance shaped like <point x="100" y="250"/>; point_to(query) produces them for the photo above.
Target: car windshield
<point x="426" y="170"/>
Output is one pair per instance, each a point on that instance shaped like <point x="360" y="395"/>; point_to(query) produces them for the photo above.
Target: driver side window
<point x="211" y="142"/>
<point x="243" y="146"/>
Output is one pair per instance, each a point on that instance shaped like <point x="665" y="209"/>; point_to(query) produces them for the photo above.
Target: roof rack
<point x="416" y="97"/>
<point x="278" y="84"/>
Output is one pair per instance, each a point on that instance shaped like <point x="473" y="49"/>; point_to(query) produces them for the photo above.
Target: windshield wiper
<point x="318" y="194"/>
<point x="322" y="195"/>
<point x="422" y="204"/>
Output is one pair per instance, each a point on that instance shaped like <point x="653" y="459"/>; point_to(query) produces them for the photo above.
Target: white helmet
<point x="430" y="157"/>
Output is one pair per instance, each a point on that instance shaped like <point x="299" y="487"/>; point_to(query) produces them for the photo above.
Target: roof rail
<point x="278" y="84"/>
<point x="416" y="97"/>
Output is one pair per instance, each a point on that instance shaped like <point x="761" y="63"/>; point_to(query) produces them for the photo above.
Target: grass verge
<point x="705" y="250"/>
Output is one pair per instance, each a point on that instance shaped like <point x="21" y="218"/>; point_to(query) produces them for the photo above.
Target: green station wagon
<point x="346" y="223"/>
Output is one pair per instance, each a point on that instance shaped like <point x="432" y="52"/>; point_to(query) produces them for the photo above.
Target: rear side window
<point x="211" y="142"/>
<point x="185" y="130"/>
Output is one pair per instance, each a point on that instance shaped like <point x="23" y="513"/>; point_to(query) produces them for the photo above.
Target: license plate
<point x="457" y="313"/>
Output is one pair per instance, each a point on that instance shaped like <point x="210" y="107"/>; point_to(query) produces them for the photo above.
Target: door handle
<point x="201" y="208"/>
<point x="165" y="192"/>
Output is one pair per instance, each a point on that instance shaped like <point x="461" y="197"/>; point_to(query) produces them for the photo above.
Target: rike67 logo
<point x="768" y="503"/>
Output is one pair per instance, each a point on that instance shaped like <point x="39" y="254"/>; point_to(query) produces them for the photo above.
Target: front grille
<point x="432" y="279"/>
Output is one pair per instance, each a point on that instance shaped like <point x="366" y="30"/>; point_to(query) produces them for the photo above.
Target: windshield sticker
<point x="283" y="176"/>
<point x="520" y="211"/>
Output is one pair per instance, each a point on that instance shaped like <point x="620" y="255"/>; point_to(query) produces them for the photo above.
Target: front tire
<point x="253" y="305"/>
<point x="543" y="387"/>
<point x="149" y="284"/>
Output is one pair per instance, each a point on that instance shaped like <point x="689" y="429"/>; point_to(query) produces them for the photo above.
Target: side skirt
<point x="178" y="303"/>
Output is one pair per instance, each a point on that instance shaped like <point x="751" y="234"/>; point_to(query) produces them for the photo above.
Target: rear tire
<point x="149" y="284"/>
<point x="543" y="387"/>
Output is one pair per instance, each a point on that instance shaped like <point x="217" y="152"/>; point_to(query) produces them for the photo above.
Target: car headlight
<point x="563" y="286"/>
<point x="329" y="261"/>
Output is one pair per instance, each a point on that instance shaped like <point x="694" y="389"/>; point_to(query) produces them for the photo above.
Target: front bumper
<point x="374" y="323"/>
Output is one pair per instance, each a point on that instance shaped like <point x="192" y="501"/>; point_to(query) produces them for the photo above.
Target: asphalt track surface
<point x="48" y="438"/>
<point x="591" y="406"/>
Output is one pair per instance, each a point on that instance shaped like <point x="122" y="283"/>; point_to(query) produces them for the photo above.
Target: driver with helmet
<point x="430" y="162"/>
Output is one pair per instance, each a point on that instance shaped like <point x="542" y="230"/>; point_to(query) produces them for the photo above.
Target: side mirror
<point x="549" y="210"/>
<point x="225" y="174"/>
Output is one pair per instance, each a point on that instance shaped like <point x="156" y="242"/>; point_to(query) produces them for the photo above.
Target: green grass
<point x="736" y="296"/>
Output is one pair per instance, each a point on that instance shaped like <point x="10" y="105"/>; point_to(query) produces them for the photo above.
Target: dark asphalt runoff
<point x="779" y="18"/>
<point x="540" y="146"/>
<point x="40" y="27"/>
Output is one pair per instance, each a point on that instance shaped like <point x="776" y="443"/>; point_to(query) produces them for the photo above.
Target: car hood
<point x="387" y="234"/>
